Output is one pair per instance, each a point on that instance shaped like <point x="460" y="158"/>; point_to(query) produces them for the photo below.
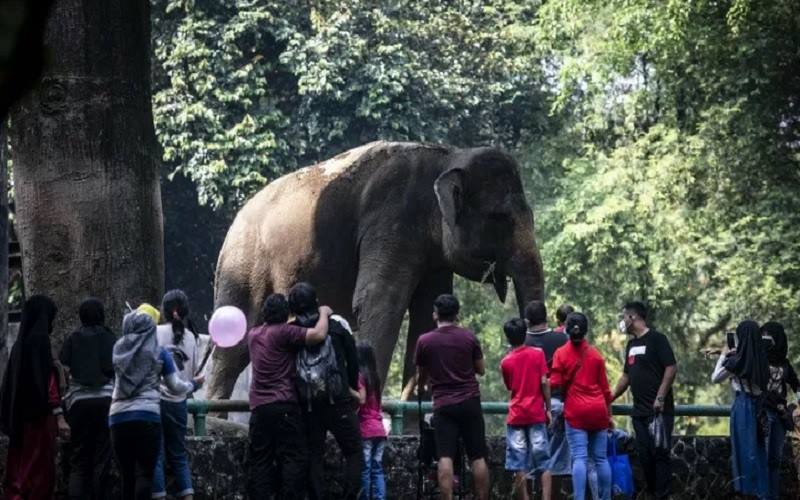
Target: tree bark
<point x="3" y="246"/>
<point x="88" y="201"/>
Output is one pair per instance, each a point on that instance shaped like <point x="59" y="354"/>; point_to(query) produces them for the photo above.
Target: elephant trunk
<point x="525" y="269"/>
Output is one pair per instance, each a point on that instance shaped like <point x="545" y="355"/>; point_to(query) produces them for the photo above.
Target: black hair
<point x="515" y="331"/>
<point x="562" y="312"/>
<point x="577" y="326"/>
<point x="637" y="308"/>
<point x="446" y="307"/>
<point x="303" y="298"/>
<point x="276" y="309"/>
<point x="368" y="368"/>
<point x="536" y="312"/>
<point x="175" y="309"/>
<point x="91" y="312"/>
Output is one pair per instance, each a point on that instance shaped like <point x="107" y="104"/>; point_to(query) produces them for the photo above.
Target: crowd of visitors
<point x="126" y="396"/>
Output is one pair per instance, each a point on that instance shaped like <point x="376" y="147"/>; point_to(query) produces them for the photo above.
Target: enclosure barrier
<point x="199" y="408"/>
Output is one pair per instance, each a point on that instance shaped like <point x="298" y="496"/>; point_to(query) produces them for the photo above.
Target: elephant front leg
<point x="379" y="303"/>
<point x="228" y="364"/>
<point x="420" y="313"/>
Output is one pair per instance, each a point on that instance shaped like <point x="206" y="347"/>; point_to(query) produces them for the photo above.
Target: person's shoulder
<point x="657" y="336"/>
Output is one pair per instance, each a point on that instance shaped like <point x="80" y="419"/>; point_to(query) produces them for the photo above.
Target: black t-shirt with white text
<point x="646" y="359"/>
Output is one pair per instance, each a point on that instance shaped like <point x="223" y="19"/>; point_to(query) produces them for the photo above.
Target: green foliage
<point x="658" y="139"/>
<point x="246" y="91"/>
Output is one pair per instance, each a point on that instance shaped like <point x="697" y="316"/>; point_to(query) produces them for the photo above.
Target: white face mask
<point x="623" y="327"/>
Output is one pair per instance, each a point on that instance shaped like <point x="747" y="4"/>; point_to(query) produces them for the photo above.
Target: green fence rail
<point x="200" y="408"/>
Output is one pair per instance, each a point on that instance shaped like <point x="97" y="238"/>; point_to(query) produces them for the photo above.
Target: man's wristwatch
<point x="660" y="399"/>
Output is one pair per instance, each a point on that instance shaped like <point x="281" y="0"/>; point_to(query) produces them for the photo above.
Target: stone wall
<point x="701" y="469"/>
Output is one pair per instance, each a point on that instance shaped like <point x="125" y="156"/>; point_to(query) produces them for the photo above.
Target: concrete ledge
<point x="701" y="468"/>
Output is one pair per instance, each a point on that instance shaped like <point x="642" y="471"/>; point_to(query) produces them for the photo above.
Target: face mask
<point x="768" y="342"/>
<point x="623" y="327"/>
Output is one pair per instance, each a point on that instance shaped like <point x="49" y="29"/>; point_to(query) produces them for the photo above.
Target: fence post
<point x="199" y="414"/>
<point x="398" y="414"/>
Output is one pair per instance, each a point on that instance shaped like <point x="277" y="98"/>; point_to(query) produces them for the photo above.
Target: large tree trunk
<point x="88" y="201"/>
<point x="3" y="247"/>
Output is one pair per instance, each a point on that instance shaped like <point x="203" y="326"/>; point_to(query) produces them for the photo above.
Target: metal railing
<point x="200" y="408"/>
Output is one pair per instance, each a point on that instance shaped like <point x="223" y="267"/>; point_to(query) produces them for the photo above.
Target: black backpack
<point x="319" y="376"/>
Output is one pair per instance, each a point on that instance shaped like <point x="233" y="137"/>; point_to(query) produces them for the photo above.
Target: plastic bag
<point x="621" y="472"/>
<point x="659" y="433"/>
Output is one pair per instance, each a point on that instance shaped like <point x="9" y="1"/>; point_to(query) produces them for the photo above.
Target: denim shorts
<point x="527" y="448"/>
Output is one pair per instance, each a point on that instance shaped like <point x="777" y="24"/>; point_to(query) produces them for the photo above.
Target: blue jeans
<point x="777" y="434"/>
<point x="581" y="445"/>
<point x="373" y="484"/>
<point x="173" y="448"/>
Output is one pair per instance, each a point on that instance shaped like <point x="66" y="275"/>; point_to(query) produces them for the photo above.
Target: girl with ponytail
<point x="178" y="336"/>
<point x="580" y="371"/>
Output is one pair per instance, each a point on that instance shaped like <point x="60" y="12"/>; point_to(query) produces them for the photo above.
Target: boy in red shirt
<point x="524" y="372"/>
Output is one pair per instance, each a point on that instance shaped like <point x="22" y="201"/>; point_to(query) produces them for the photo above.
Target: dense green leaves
<point x="659" y="139"/>
<point x="248" y="90"/>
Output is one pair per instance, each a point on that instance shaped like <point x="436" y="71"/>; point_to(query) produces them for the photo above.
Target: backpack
<point x="319" y="377"/>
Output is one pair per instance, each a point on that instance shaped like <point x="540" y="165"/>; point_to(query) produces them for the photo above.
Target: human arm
<point x="54" y="400"/>
<point x="621" y="387"/>
<point x="319" y="331"/>
<point x="545" y="384"/>
<point x="405" y="395"/>
<point x="666" y="384"/>
<point x="171" y="378"/>
<point x="720" y="373"/>
<point x="480" y="367"/>
<point x="477" y="358"/>
<point x="422" y="378"/>
<point x="667" y="359"/>
<point x="351" y="359"/>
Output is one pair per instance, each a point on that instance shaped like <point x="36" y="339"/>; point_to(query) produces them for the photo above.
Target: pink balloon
<point x="227" y="326"/>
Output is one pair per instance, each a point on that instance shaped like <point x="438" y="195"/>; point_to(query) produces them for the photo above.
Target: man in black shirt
<point x="338" y="415"/>
<point x="541" y="336"/>
<point x="650" y="369"/>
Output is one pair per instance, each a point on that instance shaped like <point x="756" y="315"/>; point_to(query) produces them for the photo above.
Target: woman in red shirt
<point x="580" y="371"/>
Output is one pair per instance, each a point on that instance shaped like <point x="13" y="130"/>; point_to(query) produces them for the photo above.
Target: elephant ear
<point x="449" y="189"/>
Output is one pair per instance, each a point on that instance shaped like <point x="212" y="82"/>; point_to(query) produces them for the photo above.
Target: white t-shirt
<point x="184" y="355"/>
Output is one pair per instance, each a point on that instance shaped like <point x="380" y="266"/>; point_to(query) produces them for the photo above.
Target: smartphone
<point x="730" y="337"/>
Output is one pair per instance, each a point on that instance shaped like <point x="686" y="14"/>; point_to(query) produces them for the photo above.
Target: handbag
<point x="659" y="433"/>
<point x="621" y="471"/>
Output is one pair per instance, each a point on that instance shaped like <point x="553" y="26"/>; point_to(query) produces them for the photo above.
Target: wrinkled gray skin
<point x="379" y="230"/>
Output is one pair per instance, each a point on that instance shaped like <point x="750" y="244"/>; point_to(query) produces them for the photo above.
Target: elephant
<point x="379" y="230"/>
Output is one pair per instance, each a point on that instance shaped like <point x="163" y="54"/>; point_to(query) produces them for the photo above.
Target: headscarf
<point x="150" y="311"/>
<point x="780" y="349"/>
<point x="91" y="312"/>
<point x="135" y="358"/>
<point x="25" y="393"/>
<point x="750" y="361"/>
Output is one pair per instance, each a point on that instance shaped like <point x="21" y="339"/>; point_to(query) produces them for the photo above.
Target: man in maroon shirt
<point x="277" y="430"/>
<point x="449" y="357"/>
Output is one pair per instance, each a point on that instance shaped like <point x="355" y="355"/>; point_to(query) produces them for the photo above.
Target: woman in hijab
<point x="30" y="406"/>
<point x="781" y="374"/>
<point x="86" y="354"/>
<point x="748" y="369"/>
<point x="135" y="415"/>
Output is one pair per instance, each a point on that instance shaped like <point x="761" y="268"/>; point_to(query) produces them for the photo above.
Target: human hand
<point x="658" y="406"/>
<point x="199" y="380"/>
<point x="325" y="310"/>
<point x="63" y="427"/>
<point x="549" y="416"/>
